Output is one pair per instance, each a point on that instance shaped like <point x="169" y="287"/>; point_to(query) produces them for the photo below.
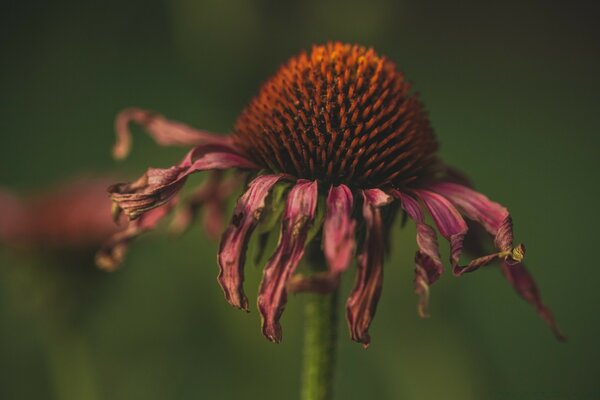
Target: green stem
<point x="319" y="346"/>
<point x="71" y="368"/>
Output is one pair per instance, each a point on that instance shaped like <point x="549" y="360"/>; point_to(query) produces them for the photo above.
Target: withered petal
<point x="111" y="254"/>
<point x="165" y="132"/>
<point x="448" y="220"/>
<point x="523" y="283"/>
<point x="157" y="185"/>
<point x="338" y="229"/>
<point x="297" y="219"/>
<point x="362" y="303"/>
<point x="497" y="221"/>
<point x="232" y="250"/>
<point x="429" y="266"/>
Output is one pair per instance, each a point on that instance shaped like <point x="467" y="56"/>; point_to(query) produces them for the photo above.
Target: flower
<point x="73" y="215"/>
<point x="338" y="136"/>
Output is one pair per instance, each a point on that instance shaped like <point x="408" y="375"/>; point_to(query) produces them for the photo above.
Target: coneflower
<point x="339" y="137"/>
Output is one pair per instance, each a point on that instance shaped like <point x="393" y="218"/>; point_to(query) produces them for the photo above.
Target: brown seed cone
<point x="341" y="114"/>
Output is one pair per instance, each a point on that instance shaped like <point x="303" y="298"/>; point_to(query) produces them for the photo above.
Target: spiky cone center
<point x="341" y="114"/>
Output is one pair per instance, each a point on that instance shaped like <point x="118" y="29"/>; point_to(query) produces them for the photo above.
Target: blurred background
<point x="512" y="90"/>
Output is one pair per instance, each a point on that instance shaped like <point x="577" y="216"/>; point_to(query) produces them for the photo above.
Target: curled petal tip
<point x="422" y="290"/>
<point x="272" y="331"/>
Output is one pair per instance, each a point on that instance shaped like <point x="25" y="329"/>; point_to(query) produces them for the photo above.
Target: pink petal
<point x="448" y="220"/>
<point x="497" y="221"/>
<point x="157" y="186"/>
<point x="297" y="219"/>
<point x="520" y="279"/>
<point x="475" y="205"/>
<point x="162" y="130"/>
<point x="492" y="216"/>
<point x="210" y="198"/>
<point x="362" y="303"/>
<point x="232" y="251"/>
<point x="338" y="229"/>
<point x="112" y="253"/>
<point x="428" y="264"/>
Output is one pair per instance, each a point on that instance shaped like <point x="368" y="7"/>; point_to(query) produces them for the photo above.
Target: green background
<point x="513" y="94"/>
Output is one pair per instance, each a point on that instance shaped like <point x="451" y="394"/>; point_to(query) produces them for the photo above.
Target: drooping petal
<point x="157" y="186"/>
<point x="162" y="130"/>
<point x="520" y="279"/>
<point x="232" y="251"/>
<point x="211" y="199"/>
<point x="427" y="259"/>
<point x="475" y="205"/>
<point x="362" y="303"/>
<point x="338" y="229"/>
<point x="497" y="221"/>
<point x="493" y="217"/>
<point x="112" y="252"/>
<point x="450" y="223"/>
<point x="297" y="219"/>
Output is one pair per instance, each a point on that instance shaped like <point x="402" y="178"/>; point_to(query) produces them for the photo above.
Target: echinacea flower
<point x="73" y="215"/>
<point x="333" y="143"/>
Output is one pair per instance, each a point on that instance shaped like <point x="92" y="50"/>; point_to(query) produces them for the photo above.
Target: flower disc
<point x="341" y="114"/>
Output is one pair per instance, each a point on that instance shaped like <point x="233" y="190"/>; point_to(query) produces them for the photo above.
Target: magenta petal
<point x="450" y="223"/>
<point x="475" y="205"/>
<point x="157" y="186"/>
<point x="297" y="219"/>
<point x="428" y="264"/>
<point x="112" y="252"/>
<point x="492" y="216"/>
<point x="232" y="251"/>
<point x="362" y="303"/>
<point x="497" y="221"/>
<point x="520" y="279"/>
<point x="338" y="229"/>
<point x="162" y="130"/>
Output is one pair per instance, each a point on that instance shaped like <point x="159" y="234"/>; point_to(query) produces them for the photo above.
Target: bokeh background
<point x="513" y="93"/>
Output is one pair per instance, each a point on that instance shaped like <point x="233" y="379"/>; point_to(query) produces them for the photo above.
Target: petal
<point x="474" y="205"/>
<point x="492" y="216"/>
<point x="112" y="253"/>
<point x="162" y="130"/>
<point x="497" y="221"/>
<point x="298" y="216"/>
<point x="428" y="264"/>
<point x="157" y="186"/>
<point x="520" y="279"/>
<point x="210" y="198"/>
<point x="448" y="220"/>
<point x="338" y="229"/>
<point x="232" y="250"/>
<point x="362" y="303"/>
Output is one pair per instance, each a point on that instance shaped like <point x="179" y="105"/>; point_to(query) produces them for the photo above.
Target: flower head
<point x="332" y="142"/>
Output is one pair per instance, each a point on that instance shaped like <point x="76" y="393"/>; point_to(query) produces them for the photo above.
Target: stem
<point x="71" y="368"/>
<point x="319" y="346"/>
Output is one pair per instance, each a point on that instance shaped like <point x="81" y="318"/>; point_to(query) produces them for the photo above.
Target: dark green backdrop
<point x="512" y="91"/>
